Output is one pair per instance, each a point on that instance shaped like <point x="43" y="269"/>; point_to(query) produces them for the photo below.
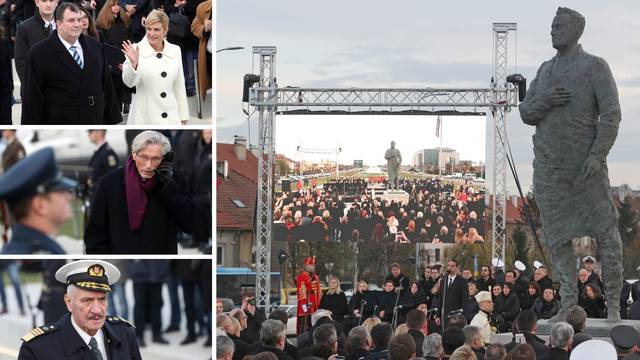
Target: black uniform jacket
<point x="62" y="341"/>
<point x="58" y="92"/>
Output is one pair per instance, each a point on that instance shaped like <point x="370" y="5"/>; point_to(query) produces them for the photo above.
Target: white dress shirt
<point x="76" y="44"/>
<point x="99" y="336"/>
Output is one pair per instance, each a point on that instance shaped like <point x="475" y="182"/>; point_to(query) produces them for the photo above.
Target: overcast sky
<point x="415" y="43"/>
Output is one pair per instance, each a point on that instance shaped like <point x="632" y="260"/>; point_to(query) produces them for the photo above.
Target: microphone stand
<point x="444" y="299"/>
<point x="362" y="304"/>
<point x="395" y="309"/>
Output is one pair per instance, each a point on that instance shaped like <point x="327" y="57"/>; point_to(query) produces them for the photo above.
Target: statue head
<point x="566" y="29"/>
<point x="393" y="144"/>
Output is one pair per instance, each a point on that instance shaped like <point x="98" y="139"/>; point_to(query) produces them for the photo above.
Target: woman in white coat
<point x="154" y="67"/>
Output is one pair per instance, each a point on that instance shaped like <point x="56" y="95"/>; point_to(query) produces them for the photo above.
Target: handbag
<point x="179" y="24"/>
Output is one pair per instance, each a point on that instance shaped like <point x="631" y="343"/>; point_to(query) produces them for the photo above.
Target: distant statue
<point x="573" y="103"/>
<point x="394" y="159"/>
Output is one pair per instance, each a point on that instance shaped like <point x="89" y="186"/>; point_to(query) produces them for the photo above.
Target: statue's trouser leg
<point x="610" y="249"/>
<point x="564" y="267"/>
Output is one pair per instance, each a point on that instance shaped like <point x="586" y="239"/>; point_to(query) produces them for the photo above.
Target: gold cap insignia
<point x="96" y="270"/>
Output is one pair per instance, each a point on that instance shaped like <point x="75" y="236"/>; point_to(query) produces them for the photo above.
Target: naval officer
<point x="86" y="332"/>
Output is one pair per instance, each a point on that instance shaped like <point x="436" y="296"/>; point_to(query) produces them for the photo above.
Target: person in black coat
<point x="470" y="307"/>
<point x="526" y="324"/>
<point x="400" y="282"/>
<point x="362" y="303"/>
<point x="454" y="290"/>
<point x="148" y="276"/>
<point x="547" y="306"/>
<point x="411" y="300"/>
<point x="592" y="302"/>
<point x="533" y="293"/>
<point x="31" y="31"/>
<point x="103" y="160"/>
<point x="68" y="84"/>
<point x="112" y="24"/>
<point x="386" y="301"/>
<point x="335" y="301"/>
<point x="138" y="209"/>
<point x="507" y="308"/>
<point x="6" y="80"/>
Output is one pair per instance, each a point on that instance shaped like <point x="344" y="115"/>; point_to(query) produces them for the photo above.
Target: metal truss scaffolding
<point x="268" y="99"/>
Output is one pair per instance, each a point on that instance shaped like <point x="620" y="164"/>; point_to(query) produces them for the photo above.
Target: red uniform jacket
<point x="309" y="293"/>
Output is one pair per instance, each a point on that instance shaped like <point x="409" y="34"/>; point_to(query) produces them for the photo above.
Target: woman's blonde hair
<point x="338" y="290"/>
<point x="371" y="322"/>
<point x="157" y="16"/>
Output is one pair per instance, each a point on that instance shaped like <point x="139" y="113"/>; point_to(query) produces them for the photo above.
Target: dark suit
<point x="6" y="82"/>
<point x="30" y="32"/>
<point x="58" y="92"/>
<point x="102" y="161"/>
<point x="555" y="354"/>
<point x="62" y="341"/>
<point x="418" y="338"/>
<point x="455" y="295"/>
<point x="538" y="345"/>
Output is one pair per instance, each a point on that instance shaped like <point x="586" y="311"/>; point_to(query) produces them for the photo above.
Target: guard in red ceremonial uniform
<point x="309" y="294"/>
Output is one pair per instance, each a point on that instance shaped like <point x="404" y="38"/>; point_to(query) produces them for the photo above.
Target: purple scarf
<point x="136" y="189"/>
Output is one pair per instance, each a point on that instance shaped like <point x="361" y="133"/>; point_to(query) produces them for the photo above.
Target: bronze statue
<point x="573" y="103"/>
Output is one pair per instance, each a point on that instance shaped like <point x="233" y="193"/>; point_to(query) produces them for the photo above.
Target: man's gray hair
<point x="271" y="332"/>
<point x="432" y="346"/>
<point x="577" y="18"/>
<point x="577" y="317"/>
<point x="561" y="334"/>
<point x="224" y="345"/>
<point x="325" y="334"/>
<point x="150" y="137"/>
<point x="358" y="337"/>
<point x="471" y="333"/>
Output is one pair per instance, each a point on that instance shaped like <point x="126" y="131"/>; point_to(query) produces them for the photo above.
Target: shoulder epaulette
<point x="118" y="320"/>
<point x="34" y="333"/>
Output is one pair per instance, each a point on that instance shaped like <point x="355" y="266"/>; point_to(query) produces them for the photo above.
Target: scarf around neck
<point x="136" y="191"/>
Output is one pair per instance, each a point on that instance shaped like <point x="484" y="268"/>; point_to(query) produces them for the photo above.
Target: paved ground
<point x="14" y="326"/>
<point x="193" y="106"/>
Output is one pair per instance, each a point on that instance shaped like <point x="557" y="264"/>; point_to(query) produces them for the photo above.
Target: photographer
<point x="139" y="208"/>
<point x="255" y="318"/>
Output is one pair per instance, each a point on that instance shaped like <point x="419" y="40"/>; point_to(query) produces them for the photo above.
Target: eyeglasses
<point x="153" y="160"/>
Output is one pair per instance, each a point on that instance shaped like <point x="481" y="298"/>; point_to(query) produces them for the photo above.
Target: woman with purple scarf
<point x="139" y="208"/>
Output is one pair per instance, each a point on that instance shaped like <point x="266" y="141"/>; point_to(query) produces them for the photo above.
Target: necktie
<point x="450" y="281"/>
<point x="94" y="348"/>
<point x="76" y="56"/>
<point x="50" y="28"/>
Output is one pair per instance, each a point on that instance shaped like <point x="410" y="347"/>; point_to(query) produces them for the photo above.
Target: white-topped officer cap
<point x="93" y="275"/>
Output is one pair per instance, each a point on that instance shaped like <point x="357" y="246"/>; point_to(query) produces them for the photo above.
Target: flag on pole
<point x="438" y="125"/>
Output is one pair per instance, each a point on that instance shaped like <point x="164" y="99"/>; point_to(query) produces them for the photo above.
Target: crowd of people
<point x="436" y="212"/>
<point x="120" y="57"/>
<point x="449" y="314"/>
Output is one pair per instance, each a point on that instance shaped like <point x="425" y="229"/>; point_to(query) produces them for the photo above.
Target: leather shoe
<point x="188" y="340"/>
<point x="141" y="343"/>
<point x="172" y="328"/>
<point x="208" y="342"/>
<point x="160" y="340"/>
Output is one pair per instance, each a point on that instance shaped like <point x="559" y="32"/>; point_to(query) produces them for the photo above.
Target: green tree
<point x="283" y="167"/>
<point x="521" y="245"/>
<point x="628" y="222"/>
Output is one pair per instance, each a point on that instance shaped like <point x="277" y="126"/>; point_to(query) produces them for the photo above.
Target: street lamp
<point x="230" y="48"/>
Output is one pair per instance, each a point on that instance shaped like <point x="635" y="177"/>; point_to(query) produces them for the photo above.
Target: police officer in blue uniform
<point x="103" y="160"/>
<point x="39" y="197"/>
<point x="86" y="332"/>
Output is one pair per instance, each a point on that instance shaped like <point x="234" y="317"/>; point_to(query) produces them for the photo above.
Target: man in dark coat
<point x="103" y="160"/>
<point x="415" y="323"/>
<point x="272" y="339"/>
<point x="139" y="208"/>
<point x="453" y="290"/>
<point x="526" y="324"/>
<point x="148" y="276"/>
<point x="67" y="80"/>
<point x="33" y="30"/>
<point x="400" y="282"/>
<point x="86" y="331"/>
